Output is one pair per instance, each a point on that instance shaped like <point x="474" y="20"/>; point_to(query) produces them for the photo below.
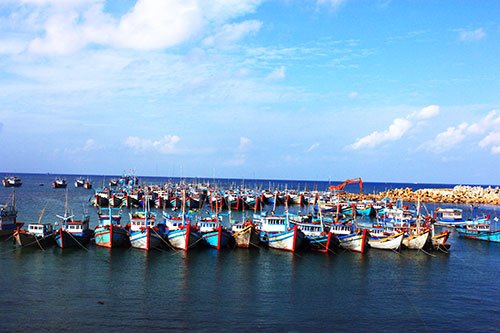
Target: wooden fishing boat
<point x="439" y="240"/>
<point x="109" y="233"/>
<point x="213" y="233"/>
<point x="37" y="235"/>
<point x="245" y="234"/>
<point x="479" y="229"/>
<point x="355" y="241"/>
<point x="416" y="239"/>
<point x="8" y="218"/>
<point x="390" y="242"/>
<point x="317" y="238"/>
<point x="73" y="233"/>
<point x="143" y="232"/>
<point x="448" y="217"/>
<point x="277" y="233"/>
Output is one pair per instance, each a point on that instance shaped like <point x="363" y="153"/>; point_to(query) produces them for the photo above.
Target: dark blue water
<point x="240" y="290"/>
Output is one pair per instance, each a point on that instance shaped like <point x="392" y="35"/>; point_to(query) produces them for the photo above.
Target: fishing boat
<point x="73" y="233"/>
<point x="317" y="238"/>
<point x="12" y="181"/>
<point x="448" y="217"/>
<point x="109" y="233"/>
<point x="213" y="233"/>
<point x="245" y="234"/>
<point x="354" y="241"/>
<point x="386" y="242"/>
<point x="143" y="232"/>
<point x="8" y="218"/>
<point x="277" y="233"/>
<point x="79" y="182"/>
<point x="180" y="233"/>
<point x="416" y="238"/>
<point x="479" y="229"/>
<point x="59" y="183"/>
<point x="37" y="235"/>
<point x="439" y="240"/>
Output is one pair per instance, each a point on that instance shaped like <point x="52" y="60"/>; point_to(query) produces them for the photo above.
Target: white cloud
<point x="448" y="139"/>
<point x="312" y="147"/>
<point x="244" y="143"/>
<point x="230" y="33"/>
<point x="165" y="145"/>
<point x="472" y="35"/>
<point x="68" y="26"/>
<point x="277" y="74"/>
<point x="395" y="131"/>
<point x="493" y="140"/>
<point x="332" y="3"/>
<point x="427" y="112"/>
<point x="90" y="144"/>
<point x="456" y="134"/>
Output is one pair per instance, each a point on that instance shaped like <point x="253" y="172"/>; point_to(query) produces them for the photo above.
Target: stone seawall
<point x="459" y="194"/>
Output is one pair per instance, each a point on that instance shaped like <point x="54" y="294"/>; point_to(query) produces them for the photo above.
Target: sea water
<point x="245" y="290"/>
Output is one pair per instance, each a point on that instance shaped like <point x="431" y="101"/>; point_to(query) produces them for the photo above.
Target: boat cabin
<point x="208" y="224"/>
<point x="77" y="227"/>
<point x="449" y="214"/>
<point x="340" y="229"/>
<point x="40" y="229"/>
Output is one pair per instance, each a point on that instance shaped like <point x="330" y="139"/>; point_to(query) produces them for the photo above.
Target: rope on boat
<point x="69" y="233"/>
<point x="429" y="254"/>
<point x="40" y="245"/>
<point x="164" y="241"/>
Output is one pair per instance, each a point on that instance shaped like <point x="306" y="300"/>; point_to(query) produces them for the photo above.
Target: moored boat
<point x="59" y="183"/>
<point x="277" y="233"/>
<point x="143" y="232"/>
<point x="416" y="239"/>
<point x="390" y="242"/>
<point x="213" y="233"/>
<point x="37" y="235"/>
<point x="8" y="218"/>
<point x="479" y="229"/>
<point x="73" y="233"/>
<point x="109" y="233"/>
<point x="245" y="234"/>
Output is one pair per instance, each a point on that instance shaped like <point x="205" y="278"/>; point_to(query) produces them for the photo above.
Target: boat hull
<point x="146" y="239"/>
<point x="111" y="236"/>
<point x="392" y="242"/>
<point x="65" y="239"/>
<point x="247" y="237"/>
<point x="218" y="238"/>
<point x="289" y="240"/>
<point x="355" y="242"/>
<point x="416" y="241"/>
<point x="24" y="239"/>
<point x="183" y="239"/>
<point x="488" y="236"/>
<point x="322" y="243"/>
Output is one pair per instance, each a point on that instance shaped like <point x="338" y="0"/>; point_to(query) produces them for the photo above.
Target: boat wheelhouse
<point x="448" y="216"/>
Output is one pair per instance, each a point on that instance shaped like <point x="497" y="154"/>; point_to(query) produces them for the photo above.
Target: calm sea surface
<point x="237" y="289"/>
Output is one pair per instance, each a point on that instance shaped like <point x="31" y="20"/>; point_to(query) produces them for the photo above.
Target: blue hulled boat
<point x="109" y="233"/>
<point x="480" y="229"/>
<point x="213" y="233"/>
<point x="73" y="233"/>
<point x="143" y="232"/>
<point x="277" y="233"/>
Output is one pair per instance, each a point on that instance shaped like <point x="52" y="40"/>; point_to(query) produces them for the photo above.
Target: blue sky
<point x="329" y="89"/>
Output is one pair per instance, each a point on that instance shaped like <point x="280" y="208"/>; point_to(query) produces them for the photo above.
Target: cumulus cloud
<point x="165" y="145"/>
<point x="398" y="128"/>
<point x="230" y="33"/>
<point x="68" y="26"/>
<point x="428" y="112"/>
<point x="240" y="156"/>
<point x="455" y="135"/>
<point x="277" y="74"/>
<point x="471" y="35"/>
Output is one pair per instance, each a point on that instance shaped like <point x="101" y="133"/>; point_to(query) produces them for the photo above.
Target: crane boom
<point x="340" y="187"/>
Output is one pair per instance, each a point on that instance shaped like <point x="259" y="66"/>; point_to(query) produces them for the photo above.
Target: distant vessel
<point x="12" y="181"/>
<point x="83" y="182"/>
<point x="59" y="183"/>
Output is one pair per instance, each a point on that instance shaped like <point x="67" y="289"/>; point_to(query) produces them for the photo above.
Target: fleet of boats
<point x="332" y="222"/>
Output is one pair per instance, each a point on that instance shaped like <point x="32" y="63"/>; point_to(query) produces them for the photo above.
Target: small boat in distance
<point x="12" y="181"/>
<point x="59" y="183"/>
